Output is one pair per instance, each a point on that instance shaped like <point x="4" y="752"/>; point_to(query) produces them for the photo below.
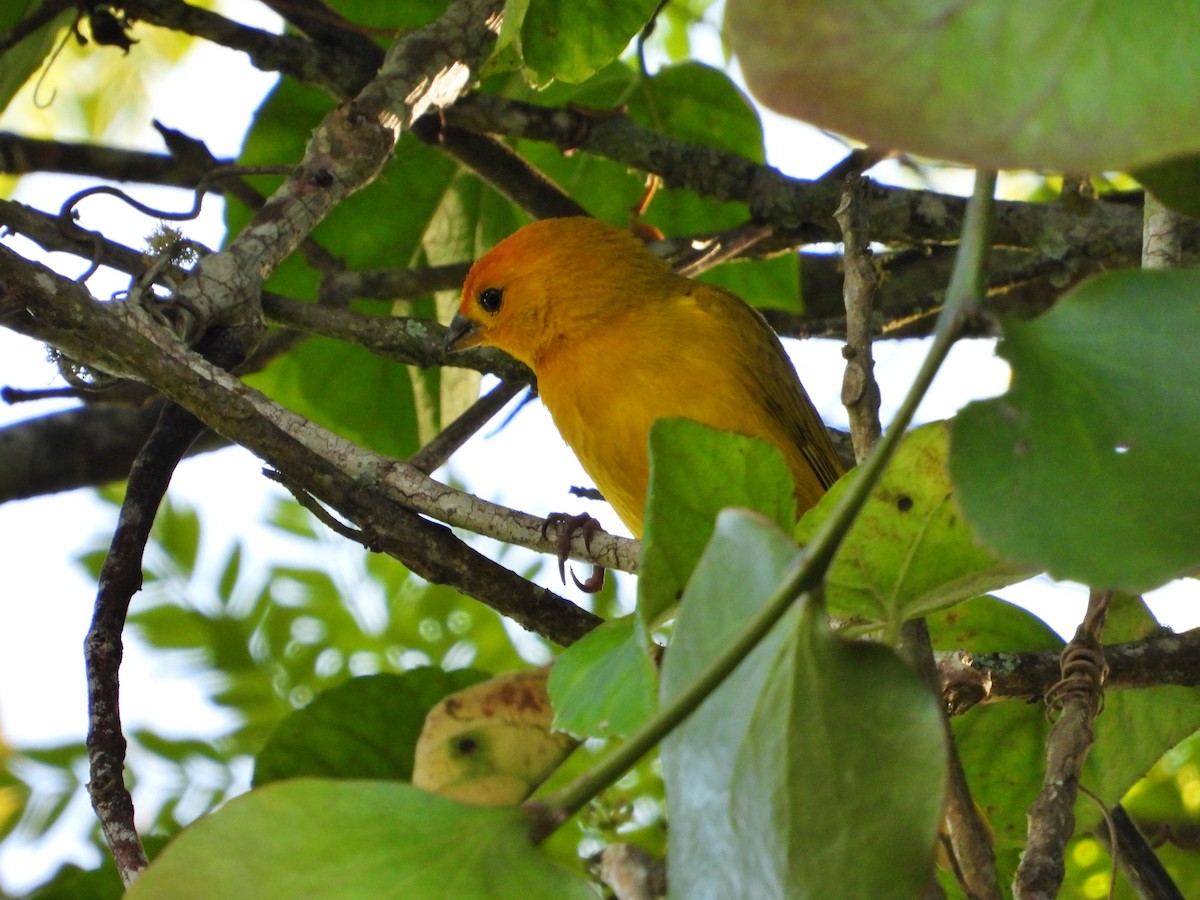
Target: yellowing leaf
<point x="491" y="744"/>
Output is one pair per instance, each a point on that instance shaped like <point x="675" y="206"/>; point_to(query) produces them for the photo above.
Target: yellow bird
<point x="618" y="340"/>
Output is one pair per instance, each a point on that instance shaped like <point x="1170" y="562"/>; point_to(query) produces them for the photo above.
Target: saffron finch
<point x="618" y="340"/>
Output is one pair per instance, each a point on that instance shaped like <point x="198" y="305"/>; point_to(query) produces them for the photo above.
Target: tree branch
<point x="20" y="155"/>
<point x="898" y="215"/>
<point x="1078" y="696"/>
<point x="79" y="448"/>
<point x="860" y="391"/>
<point x="120" y="578"/>
<point x="968" y="679"/>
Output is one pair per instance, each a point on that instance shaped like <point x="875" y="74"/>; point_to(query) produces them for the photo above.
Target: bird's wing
<point x="777" y="387"/>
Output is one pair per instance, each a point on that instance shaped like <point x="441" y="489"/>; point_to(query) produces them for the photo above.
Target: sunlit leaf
<point x="605" y="684"/>
<point x="909" y="551"/>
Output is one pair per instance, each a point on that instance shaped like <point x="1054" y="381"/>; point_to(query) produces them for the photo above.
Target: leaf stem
<point x="808" y="571"/>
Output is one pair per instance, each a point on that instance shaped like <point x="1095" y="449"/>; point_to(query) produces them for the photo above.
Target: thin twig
<point x="708" y="253"/>
<point x="860" y="390"/>
<point x="500" y="166"/>
<point x="1110" y="829"/>
<point x="970" y="846"/>
<point x="1078" y="697"/>
<point x="322" y="515"/>
<point x="1136" y="858"/>
<point x="120" y="579"/>
<point x="449" y="439"/>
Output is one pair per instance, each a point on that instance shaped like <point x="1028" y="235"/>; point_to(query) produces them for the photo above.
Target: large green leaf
<point x="571" y="39"/>
<point x="364" y="728"/>
<point x="740" y="569"/>
<point x="695" y="472"/>
<point x="848" y="729"/>
<point x="605" y="684"/>
<point x="355" y="839"/>
<point x="909" y="551"/>
<point x="1087" y="467"/>
<point x="811" y="750"/>
<point x="1051" y="85"/>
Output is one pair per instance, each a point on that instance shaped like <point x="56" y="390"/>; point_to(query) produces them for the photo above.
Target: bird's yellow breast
<point x="681" y="358"/>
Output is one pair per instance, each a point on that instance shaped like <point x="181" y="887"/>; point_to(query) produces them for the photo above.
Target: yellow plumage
<point x="618" y="340"/>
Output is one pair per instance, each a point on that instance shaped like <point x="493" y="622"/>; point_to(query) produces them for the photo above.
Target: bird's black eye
<point x="490" y="300"/>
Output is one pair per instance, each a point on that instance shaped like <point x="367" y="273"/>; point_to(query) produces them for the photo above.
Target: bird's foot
<point x="565" y="526"/>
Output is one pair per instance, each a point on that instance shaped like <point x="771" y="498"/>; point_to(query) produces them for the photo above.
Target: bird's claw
<point x="565" y="526"/>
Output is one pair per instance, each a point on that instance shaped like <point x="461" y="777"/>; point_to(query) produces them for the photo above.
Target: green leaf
<point x="347" y="389"/>
<point x="74" y="883"/>
<point x="18" y="63"/>
<point x="312" y="838"/>
<point x="740" y="569"/>
<point x="909" y="551"/>
<point x="364" y="728"/>
<point x="605" y="684"/>
<point x="1175" y="182"/>
<point x="701" y="105"/>
<point x="696" y="471"/>
<point x="1049" y="86"/>
<point x="229" y="573"/>
<point x="990" y="625"/>
<point x="389" y="16"/>
<point x="698" y="104"/>
<point x="847" y="729"/>
<point x="177" y="530"/>
<point x="571" y="39"/>
<point x="1087" y="467"/>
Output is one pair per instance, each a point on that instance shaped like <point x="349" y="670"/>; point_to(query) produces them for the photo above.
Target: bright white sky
<point x="48" y="600"/>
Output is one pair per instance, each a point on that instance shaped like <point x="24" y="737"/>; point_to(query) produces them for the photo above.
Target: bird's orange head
<point x="550" y="280"/>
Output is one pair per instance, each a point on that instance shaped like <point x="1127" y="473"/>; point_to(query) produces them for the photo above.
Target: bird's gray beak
<point x="461" y="334"/>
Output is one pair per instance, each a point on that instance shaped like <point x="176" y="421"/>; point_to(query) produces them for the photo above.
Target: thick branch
<point x="78" y="448"/>
<point x="968" y="679"/>
<point x="898" y="216"/>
